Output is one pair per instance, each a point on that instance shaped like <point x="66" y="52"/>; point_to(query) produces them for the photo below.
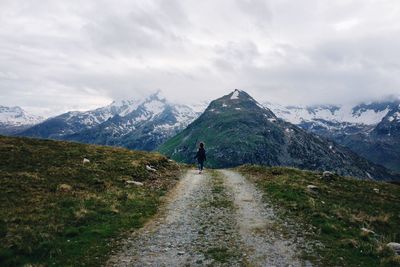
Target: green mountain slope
<point x="57" y="211"/>
<point x="238" y="130"/>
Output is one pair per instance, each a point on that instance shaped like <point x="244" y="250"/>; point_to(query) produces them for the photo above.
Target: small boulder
<point x="85" y="160"/>
<point x="64" y="188"/>
<point x="312" y="188"/>
<point x="328" y="176"/>
<point x="376" y="190"/>
<point x="394" y="246"/>
<point x="366" y="231"/>
<point x="150" y="168"/>
<point x="134" y="183"/>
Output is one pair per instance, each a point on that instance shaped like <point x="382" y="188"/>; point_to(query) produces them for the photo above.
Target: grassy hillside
<point x="55" y="210"/>
<point x="334" y="214"/>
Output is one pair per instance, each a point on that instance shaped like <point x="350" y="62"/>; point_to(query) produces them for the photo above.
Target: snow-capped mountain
<point x="146" y="127"/>
<point x="75" y="121"/>
<point x="138" y="124"/>
<point x="389" y="126"/>
<point x="14" y="119"/>
<point x="370" y="129"/>
<point x="238" y="130"/>
<point x="367" y="114"/>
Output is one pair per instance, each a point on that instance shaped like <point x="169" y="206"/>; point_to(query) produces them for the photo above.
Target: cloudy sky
<point x="61" y="55"/>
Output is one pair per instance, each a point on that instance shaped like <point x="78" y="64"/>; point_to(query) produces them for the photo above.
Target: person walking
<point x="201" y="157"/>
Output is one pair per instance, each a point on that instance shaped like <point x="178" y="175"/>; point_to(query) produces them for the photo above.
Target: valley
<point x="245" y="133"/>
<point x="66" y="204"/>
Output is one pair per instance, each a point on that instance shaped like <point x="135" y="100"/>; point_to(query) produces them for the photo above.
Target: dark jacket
<point x="201" y="155"/>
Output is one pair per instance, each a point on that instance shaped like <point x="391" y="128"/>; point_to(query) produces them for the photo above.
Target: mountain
<point x="145" y="128"/>
<point x="369" y="129"/>
<point x="75" y="121"/>
<point x="15" y="119"/>
<point x="142" y="124"/>
<point x="237" y="130"/>
<point x="381" y="144"/>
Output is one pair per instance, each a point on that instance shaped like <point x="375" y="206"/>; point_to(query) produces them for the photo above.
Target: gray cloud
<point x="61" y="55"/>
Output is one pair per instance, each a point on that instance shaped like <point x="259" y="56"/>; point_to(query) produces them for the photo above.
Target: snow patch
<point x="338" y="114"/>
<point x="16" y="116"/>
<point x="259" y="105"/>
<point x="235" y="95"/>
<point x="155" y="107"/>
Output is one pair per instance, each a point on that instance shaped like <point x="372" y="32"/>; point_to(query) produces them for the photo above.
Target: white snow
<point x="235" y="95"/>
<point x="342" y="114"/>
<point x="238" y="108"/>
<point x="259" y="105"/>
<point x="396" y="116"/>
<point x="155" y="107"/>
<point x="199" y="107"/>
<point x="16" y="116"/>
<point x="185" y="115"/>
<point x="128" y="107"/>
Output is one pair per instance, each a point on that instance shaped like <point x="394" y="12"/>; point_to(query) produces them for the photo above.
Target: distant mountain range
<point x="136" y="124"/>
<point x="15" y="119"/>
<point x="238" y="130"/>
<point x="370" y="129"/>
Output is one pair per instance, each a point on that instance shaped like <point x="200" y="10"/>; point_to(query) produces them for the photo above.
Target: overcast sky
<point x="75" y="54"/>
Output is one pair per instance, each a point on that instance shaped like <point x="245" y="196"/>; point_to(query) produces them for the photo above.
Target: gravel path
<point x="213" y="219"/>
<point x="256" y="222"/>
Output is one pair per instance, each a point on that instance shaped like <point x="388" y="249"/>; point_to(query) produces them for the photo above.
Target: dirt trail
<point x="213" y="219"/>
<point x="256" y="224"/>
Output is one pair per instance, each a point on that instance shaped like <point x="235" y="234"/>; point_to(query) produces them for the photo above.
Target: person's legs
<point x="200" y="165"/>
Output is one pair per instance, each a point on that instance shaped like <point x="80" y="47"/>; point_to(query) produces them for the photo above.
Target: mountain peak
<point x="238" y="130"/>
<point x="158" y="96"/>
<point x="239" y="101"/>
<point x="239" y="95"/>
<point x="14" y="119"/>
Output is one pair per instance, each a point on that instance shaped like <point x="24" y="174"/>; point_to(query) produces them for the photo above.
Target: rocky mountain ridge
<point x="15" y="119"/>
<point x="369" y="129"/>
<point x="238" y="130"/>
<point x="137" y="124"/>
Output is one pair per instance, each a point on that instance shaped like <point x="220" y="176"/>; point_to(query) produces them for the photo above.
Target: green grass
<point x="220" y="251"/>
<point x="245" y="137"/>
<point x="335" y="214"/>
<point x="56" y="211"/>
<point x="220" y="199"/>
<point x="219" y="254"/>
